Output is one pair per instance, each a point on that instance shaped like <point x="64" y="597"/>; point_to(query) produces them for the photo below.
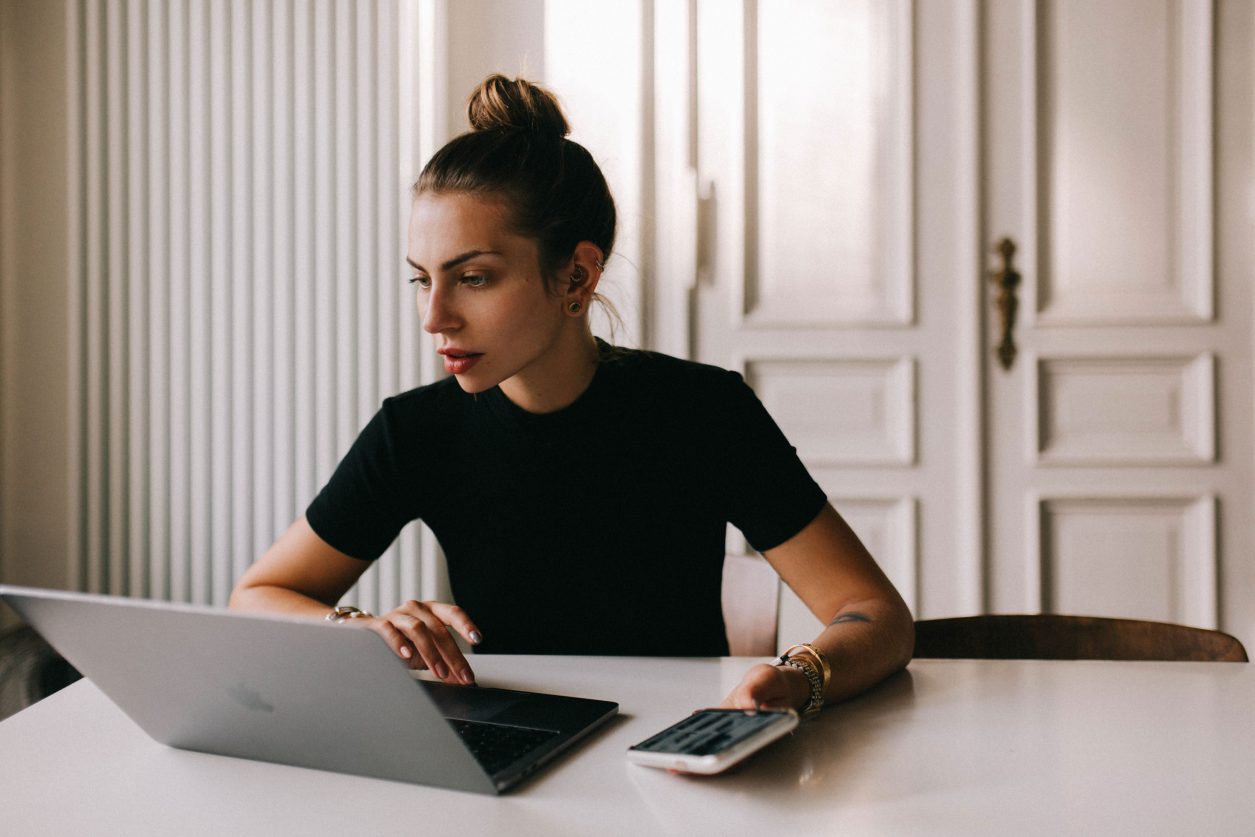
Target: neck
<point x="563" y="378"/>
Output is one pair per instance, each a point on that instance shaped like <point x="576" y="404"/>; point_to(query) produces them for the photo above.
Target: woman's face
<point x="481" y="293"/>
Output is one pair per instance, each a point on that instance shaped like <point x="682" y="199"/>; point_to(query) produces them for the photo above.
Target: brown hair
<point x="517" y="149"/>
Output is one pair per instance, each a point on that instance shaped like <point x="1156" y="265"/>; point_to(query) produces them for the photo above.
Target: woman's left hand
<point x="769" y="687"/>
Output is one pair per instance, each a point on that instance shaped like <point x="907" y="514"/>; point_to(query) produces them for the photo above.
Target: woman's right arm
<point x="303" y="575"/>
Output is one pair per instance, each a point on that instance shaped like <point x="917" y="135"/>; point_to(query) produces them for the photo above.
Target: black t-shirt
<point x="596" y="529"/>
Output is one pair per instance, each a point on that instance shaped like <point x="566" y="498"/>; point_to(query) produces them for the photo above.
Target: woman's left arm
<point x="869" y="631"/>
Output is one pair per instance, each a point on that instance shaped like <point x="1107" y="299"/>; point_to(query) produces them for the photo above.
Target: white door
<point x="860" y="158"/>
<point x="1118" y="142"/>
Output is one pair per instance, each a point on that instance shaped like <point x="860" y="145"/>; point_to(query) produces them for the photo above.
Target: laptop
<point x="301" y="692"/>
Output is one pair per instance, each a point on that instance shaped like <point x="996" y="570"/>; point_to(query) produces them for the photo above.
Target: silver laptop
<point x="301" y="692"/>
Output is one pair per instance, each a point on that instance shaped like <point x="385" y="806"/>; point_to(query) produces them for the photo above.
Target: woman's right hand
<point x="301" y="573"/>
<point x="419" y="633"/>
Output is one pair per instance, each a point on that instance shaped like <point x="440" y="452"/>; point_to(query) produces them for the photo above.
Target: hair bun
<point x="500" y="103"/>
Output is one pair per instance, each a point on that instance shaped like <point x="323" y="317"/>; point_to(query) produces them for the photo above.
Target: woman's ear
<point x="586" y="265"/>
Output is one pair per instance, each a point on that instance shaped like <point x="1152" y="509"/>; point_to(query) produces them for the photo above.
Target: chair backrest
<point x="1048" y="636"/>
<point x="751" y="592"/>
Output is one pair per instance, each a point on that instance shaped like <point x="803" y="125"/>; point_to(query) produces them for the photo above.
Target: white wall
<point x="490" y="36"/>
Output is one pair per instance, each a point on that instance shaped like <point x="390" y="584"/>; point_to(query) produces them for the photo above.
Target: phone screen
<point x="709" y="732"/>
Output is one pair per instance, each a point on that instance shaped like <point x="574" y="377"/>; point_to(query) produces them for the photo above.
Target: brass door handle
<point x="1006" y="280"/>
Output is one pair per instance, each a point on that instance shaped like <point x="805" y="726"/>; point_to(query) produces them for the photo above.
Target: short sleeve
<point x="770" y="495"/>
<point x="363" y="507"/>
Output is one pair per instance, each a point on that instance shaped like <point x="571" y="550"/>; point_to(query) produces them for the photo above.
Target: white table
<point x="950" y="747"/>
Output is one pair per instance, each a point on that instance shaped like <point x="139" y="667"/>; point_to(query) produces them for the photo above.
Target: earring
<point x="578" y="276"/>
<point x="574" y="307"/>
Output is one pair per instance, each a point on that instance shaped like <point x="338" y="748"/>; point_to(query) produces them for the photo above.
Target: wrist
<point x="797" y="686"/>
<point x="346" y="613"/>
<point x="813" y="666"/>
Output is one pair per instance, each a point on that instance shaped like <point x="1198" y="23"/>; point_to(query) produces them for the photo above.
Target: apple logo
<point x="249" y="698"/>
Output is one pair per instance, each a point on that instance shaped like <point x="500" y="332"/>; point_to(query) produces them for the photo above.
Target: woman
<point x="580" y="492"/>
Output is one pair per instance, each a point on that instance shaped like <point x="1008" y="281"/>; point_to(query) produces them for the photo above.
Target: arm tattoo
<point x="850" y="617"/>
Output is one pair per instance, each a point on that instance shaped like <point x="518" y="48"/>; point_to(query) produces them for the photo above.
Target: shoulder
<point x="673" y="376"/>
<point x="684" y="393"/>
<point x="444" y="397"/>
<point x="432" y="409"/>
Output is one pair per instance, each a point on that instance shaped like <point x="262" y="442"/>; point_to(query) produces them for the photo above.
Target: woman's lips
<point x="457" y="364"/>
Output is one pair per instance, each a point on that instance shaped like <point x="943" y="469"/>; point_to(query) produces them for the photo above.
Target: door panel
<point x="1124" y="410"/>
<point x="841" y="413"/>
<point x="1124" y="92"/>
<point x="827" y="82"/>
<point x="1092" y="547"/>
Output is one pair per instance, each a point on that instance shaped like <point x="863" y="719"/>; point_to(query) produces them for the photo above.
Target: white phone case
<point x="784" y="722"/>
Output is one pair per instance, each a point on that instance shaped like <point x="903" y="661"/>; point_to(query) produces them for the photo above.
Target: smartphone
<point x="712" y="740"/>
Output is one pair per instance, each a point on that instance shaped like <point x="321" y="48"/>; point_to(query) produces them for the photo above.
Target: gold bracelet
<point x="810" y="671"/>
<point x="343" y="613"/>
<point x="821" y="662"/>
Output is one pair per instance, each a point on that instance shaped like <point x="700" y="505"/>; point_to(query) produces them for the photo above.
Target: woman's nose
<point x="437" y="313"/>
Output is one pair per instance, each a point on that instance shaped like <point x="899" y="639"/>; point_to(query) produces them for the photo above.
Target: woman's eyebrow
<point x="456" y="260"/>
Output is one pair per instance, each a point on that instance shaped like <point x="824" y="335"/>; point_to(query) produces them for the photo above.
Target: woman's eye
<point x="475" y="280"/>
<point x="421" y="281"/>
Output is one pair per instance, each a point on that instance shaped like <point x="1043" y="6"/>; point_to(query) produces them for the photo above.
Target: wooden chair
<point x="1048" y="636"/>
<point x="751" y="593"/>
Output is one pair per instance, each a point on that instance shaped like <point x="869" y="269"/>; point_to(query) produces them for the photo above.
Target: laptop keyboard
<point x="496" y="746"/>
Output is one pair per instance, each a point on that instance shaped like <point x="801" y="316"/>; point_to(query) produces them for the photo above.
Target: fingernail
<point x="440" y="670"/>
<point x="467" y="677"/>
<point x="405" y="651"/>
<point x="476" y="638"/>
